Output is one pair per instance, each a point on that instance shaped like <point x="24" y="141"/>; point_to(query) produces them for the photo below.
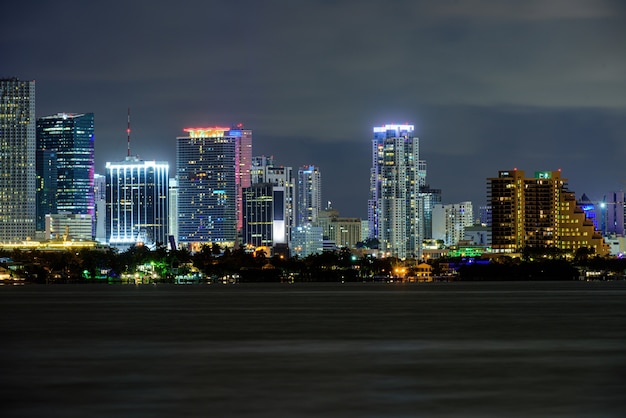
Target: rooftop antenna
<point x="128" y="132"/>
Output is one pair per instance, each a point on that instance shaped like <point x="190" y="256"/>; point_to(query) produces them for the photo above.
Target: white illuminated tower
<point x="394" y="206"/>
<point x="137" y="202"/>
<point x="309" y="202"/>
<point x="173" y="213"/>
<point x="449" y="221"/>
<point x="17" y="165"/>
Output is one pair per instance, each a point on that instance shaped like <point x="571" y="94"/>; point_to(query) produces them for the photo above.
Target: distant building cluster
<point x="221" y="193"/>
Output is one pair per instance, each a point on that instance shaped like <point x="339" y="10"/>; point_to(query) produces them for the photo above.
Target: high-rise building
<point x="395" y="208"/>
<point x="243" y="162"/>
<point x="484" y="215"/>
<point x="343" y="232"/>
<point x="307" y="240"/>
<point x="213" y="167"/>
<point x="430" y="198"/>
<point x="613" y="214"/>
<point x="264" y="215"/>
<point x="173" y="213"/>
<point x="65" y="161"/>
<point x="265" y="171"/>
<point x="309" y="202"/>
<point x="17" y="165"/>
<point x="46" y="193"/>
<point x="100" y="201"/>
<point x="449" y="222"/>
<point x="538" y="212"/>
<point x="137" y="202"/>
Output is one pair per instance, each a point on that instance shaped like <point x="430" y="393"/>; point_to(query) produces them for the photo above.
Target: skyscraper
<point x="430" y="198"/>
<point x="100" y="202"/>
<point x="264" y="215"/>
<point x="46" y="192"/>
<point x="17" y="165"/>
<point x="213" y="167"/>
<point x="280" y="177"/>
<point x="65" y="162"/>
<point x="613" y="213"/>
<point x="137" y="202"/>
<point x="394" y="206"/>
<point x="309" y="202"/>
<point x="449" y="221"/>
<point x="538" y="212"/>
<point x="173" y="213"/>
<point x="243" y="162"/>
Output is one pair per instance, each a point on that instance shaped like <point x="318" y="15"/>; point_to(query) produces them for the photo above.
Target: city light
<point x="394" y="127"/>
<point x="211" y="132"/>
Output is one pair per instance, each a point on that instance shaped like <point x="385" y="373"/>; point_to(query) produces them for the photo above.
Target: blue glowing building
<point x="65" y="165"/>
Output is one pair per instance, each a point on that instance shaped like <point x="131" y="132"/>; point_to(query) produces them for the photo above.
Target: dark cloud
<point x="489" y="85"/>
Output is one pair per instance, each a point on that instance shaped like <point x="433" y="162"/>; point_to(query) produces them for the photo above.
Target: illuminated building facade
<point x="243" y="162"/>
<point x="395" y="208"/>
<point x="46" y="193"/>
<point x="100" y="201"/>
<point x="17" y="164"/>
<point x="65" y="165"/>
<point x="343" y="232"/>
<point x="69" y="226"/>
<point x="137" y="202"/>
<point x="309" y="202"/>
<point x="449" y="222"/>
<point x="430" y="198"/>
<point x="264" y="215"/>
<point x="264" y="170"/>
<point x="538" y="212"/>
<point x="506" y="200"/>
<point x="213" y="168"/>
<point x="307" y="240"/>
<point x="613" y="214"/>
<point x="173" y="212"/>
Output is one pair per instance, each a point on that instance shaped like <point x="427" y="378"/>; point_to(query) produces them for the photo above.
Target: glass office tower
<point x="137" y="202"/>
<point x="65" y="165"/>
<point x="309" y="203"/>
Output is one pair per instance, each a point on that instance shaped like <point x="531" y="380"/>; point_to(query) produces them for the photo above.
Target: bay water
<point x="517" y="349"/>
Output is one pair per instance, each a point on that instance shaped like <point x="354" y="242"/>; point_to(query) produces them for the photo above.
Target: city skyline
<point x="538" y="84"/>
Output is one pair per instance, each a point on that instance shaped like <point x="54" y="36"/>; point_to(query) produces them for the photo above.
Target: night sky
<point x="537" y="85"/>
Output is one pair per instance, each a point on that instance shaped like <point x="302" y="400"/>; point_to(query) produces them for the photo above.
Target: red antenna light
<point x="128" y="131"/>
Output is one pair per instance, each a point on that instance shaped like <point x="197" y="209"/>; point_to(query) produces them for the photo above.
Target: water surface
<point x="363" y="350"/>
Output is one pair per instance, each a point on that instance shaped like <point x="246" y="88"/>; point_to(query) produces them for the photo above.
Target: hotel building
<point x="213" y="168"/>
<point x="538" y="212"/>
